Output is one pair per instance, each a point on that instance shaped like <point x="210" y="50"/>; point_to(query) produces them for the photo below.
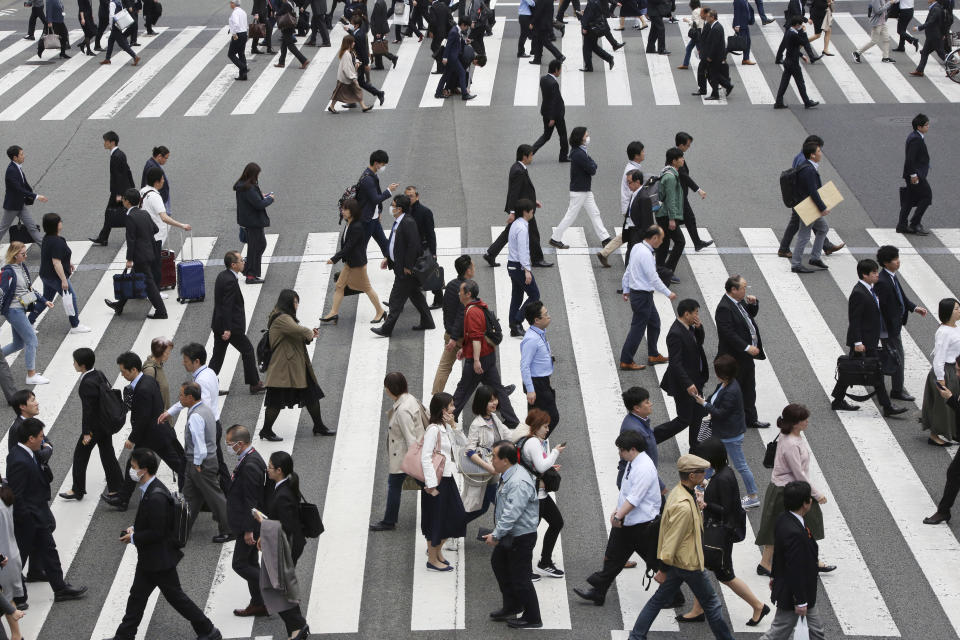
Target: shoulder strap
<point x="523" y="463"/>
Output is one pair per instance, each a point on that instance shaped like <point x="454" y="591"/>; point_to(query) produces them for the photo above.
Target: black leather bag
<point x="347" y="291"/>
<point x="20" y="233"/>
<point x="310" y="519"/>
<point x="859" y="370"/>
<point x="771" y="453"/>
<point x="736" y="43"/>
<point x="715" y="539"/>
<point x="428" y="273"/>
<point x="116" y="217"/>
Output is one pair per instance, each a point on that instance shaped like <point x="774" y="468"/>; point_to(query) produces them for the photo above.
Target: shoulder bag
<point x="286" y="21"/>
<point x="714" y="542"/>
<point x="771" y="453"/>
<point x="310" y="519"/>
<point x="413" y="466"/>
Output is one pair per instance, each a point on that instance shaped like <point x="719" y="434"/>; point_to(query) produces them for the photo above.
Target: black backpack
<point x="180" y="523"/>
<point x="264" y="350"/>
<point x="788" y="187"/>
<point x="494" y="332"/>
<point x="113" y="411"/>
<point x="550" y="477"/>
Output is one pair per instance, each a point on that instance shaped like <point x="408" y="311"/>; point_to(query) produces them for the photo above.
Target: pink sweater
<point x="792" y="463"/>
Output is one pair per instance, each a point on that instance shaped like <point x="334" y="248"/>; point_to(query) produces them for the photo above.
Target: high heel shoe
<point x="365" y="109"/>
<point x="332" y="318"/>
<point x="379" y="318"/>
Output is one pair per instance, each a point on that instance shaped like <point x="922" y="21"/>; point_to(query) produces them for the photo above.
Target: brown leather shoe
<point x="834" y="248"/>
<point x="251" y="610"/>
<point x="630" y="564"/>
<point x="632" y="366"/>
<point x="257" y="388"/>
<point x="658" y="359"/>
<point x="135" y="62"/>
<point x="784" y="254"/>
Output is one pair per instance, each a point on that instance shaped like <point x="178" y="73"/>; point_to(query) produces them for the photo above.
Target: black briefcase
<point x="428" y="272"/>
<point x="116" y="217"/>
<point x="859" y="371"/>
<point x="20" y="233"/>
<point x="736" y="43"/>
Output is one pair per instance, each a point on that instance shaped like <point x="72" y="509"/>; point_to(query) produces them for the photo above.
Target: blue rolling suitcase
<point x="190" y="284"/>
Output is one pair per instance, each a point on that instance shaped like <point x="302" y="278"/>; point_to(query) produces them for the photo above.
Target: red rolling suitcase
<point x="168" y="269"/>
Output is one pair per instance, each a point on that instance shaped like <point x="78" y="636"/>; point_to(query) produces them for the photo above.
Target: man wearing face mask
<point x="157" y="554"/>
<point x="246" y="493"/>
<point x="371" y="198"/>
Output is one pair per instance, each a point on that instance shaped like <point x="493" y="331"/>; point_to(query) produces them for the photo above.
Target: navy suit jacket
<point x="18" y="189"/>
<point x="369" y="194"/>
<point x="31" y="488"/>
<point x="451" y="53"/>
<point x="895" y="311"/>
<point x="794" y="566"/>
<point x="688" y="362"/>
<point x="552" y="106"/>
<point x="864" y="320"/>
<point x="808" y="181"/>
<point x="152" y="530"/>
<point x="917" y="160"/>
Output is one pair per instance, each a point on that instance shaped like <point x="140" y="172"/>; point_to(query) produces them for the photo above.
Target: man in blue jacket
<point x="808" y="182"/>
<point x="371" y="198"/>
<point x="18" y="195"/>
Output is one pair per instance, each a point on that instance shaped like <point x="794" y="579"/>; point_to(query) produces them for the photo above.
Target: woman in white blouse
<point x="479" y="492"/>
<point x="441" y="514"/>
<point x="936" y="416"/>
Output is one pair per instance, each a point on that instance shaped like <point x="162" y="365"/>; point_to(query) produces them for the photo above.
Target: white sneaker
<point x="453" y="544"/>
<point x="164" y="296"/>
<point x="80" y="328"/>
<point x="37" y="379"/>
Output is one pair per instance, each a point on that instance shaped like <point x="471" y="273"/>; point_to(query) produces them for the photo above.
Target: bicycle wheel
<point x="952" y="64"/>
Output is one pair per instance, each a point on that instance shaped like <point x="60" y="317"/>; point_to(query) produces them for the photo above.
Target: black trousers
<point x="406" y="287"/>
<point x="930" y="45"/>
<point x="103" y="19"/>
<point x="157" y="270"/>
<point x="622" y="543"/>
<point x="256" y="245"/>
<point x="657" y="40"/>
<point x="541" y="41"/>
<point x="546" y="400"/>
<point x="840" y="389"/>
<point x="666" y="255"/>
<point x="246" y="564"/>
<point x="792" y="71"/>
<point x="363" y="79"/>
<point x="511" y="567"/>
<point x="112" y="202"/>
<point x="287" y="44"/>
<point x="236" y="55"/>
<point x="792" y="227"/>
<point x="60" y="29"/>
<point x="133" y="29"/>
<point x="153" y="292"/>
<point x="563" y="7"/>
<point x="240" y="342"/>
<point x="918" y="195"/>
<point x="903" y="23"/>
<point x="37" y="545"/>
<point x="167" y="580"/>
<point x="591" y="45"/>
<point x="690" y="222"/>
<point x="469" y="381"/>
<point x="551" y="514"/>
<point x="718" y="73"/>
<point x="81" y="458"/>
<point x="536" y="251"/>
<point x="293" y="619"/>
<point x="747" y="377"/>
<point x="526" y="33"/>
<point x="561" y="126"/>
<point x="167" y="449"/>
<point x="689" y="416"/>
<point x="951" y="489"/>
<point x="36" y="13"/>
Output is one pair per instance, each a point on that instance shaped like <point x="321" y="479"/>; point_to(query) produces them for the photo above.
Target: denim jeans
<point x="699" y="583"/>
<point x="394" y="491"/>
<point x="51" y="287"/>
<point x="646" y="321"/>
<point x="734" y="447"/>
<point x="24" y="337"/>
<point x="691" y="45"/>
<point x="519" y="286"/>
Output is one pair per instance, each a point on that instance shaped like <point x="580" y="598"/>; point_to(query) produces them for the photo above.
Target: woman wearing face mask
<point x="283" y="505"/>
<point x="582" y="169"/>
<point x="486" y="429"/>
<point x="442" y="515"/>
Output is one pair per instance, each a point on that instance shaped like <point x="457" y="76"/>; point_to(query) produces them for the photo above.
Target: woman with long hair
<point x="348" y="88"/>
<point x="353" y="252"/>
<point x="441" y="509"/>
<point x="17" y="300"/>
<point x="485" y="430"/>
<point x="936" y="416"/>
<point x="252" y="218"/>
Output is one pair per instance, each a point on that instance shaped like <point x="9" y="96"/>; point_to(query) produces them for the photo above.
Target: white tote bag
<point x="122" y="19"/>
<point x="802" y="630"/>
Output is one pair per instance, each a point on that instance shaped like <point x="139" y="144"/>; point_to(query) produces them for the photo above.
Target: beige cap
<point x="689" y="463"/>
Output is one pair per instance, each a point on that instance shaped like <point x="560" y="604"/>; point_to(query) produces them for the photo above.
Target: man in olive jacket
<point x="670" y="214"/>
<point x="680" y="551"/>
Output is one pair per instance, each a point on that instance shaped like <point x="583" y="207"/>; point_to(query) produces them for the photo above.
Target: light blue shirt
<point x="518" y="508"/>
<point x="526" y="8"/>
<point x="641" y="273"/>
<point x="641" y="488"/>
<point x="518" y="242"/>
<point x="133" y="383"/>
<point x="535" y="359"/>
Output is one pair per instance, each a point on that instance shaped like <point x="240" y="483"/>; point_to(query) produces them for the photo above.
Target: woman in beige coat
<point x="290" y="379"/>
<point x="479" y="492"/>
<point x="406" y="422"/>
<point x="160" y="349"/>
<point x="348" y="89"/>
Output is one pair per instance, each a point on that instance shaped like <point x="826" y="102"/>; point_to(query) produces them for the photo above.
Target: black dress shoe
<point x="503" y="614"/>
<point x="509" y="389"/>
<point x="516" y="331"/>
<point x="222" y="538"/>
<point x="893" y="411"/>
<point x="69" y="592"/>
<point x="843" y="405"/>
<point x="523" y="624"/>
<point x="254" y="280"/>
<point x="752" y="623"/>
<point x="523" y="55"/>
<point x="802" y="269"/>
<point x="157" y="316"/>
<point x="564" y="160"/>
<point x="811" y="104"/>
<point x="902" y="395"/>
<point x="820" y="264"/>
<point x="270" y="437"/>
<point x="424" y="327"/>
<point x="437" y="304"/>
<point x="699" y="93"/>
<point x="904" y="230"/>
<point x="71" y="495"/>
<point x="703" y="245"/>
<point x="380" y="332"/>
<point x="558" y="244"/>
<point x="779" y="105"/>
<point x="758" y="424"/>
<point x="490" y="260"/>
<point x="919" y="230"/>
<point x="590" y="594"/>
<point x="826" y="568"/>
<point x="763" y="571"/>
<point x="543" y="263"/>
<point x="113" y="304"/>
<point x="712" y="98"/>
<point x="324" y="430"/>
<point x="384" y="526"/>
<point x="699" y="618"/>
<point x="937" y="518"/>
<point x="99" y="243"/>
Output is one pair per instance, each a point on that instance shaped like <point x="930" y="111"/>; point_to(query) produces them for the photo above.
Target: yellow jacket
<point x="681" y="528"/>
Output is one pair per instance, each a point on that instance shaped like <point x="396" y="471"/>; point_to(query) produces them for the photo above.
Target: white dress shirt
<point x="641" y="488"/>
<point x="393" y="233"/>
<point x="153" y="204"/>
<point x="198" y="430"/>
<point x="626" y="196"/>
<point x="518" y="242"/>
<point x="238" y="21"/>
<point x="946" y="348"/>
<point x="209" y="391"/>
<point x="641" y="273"/>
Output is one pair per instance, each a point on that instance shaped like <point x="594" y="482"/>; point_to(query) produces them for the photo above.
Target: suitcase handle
<point x="183" y="245"/>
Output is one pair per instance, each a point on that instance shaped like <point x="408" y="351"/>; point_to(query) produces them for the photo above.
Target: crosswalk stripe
<point x="773" y="34"/>
<point x="438" y="604"/>
<point x="483" y="77"/>
<point x="398" y="76"/>
<point x="661" y="79"/>
<point x="946" y="86"/>
<point x="310" y="78"/>
<point x="427" y="100"/>
<point x="350" y="486"/>
<point x="15" y="47"/>
<point x="110" y="617"/>
<point x="618" y="81"/>
<point x="10" y="80"/>
<point x="750" y="75"/>
<point x="571" y="78"/>
<point x="916" y="272"/>
<point x="228" y="589"/>
<point x="694" y="64"/>
<point x="897" y="84"/>
<point x="187" y="74"/>
<point x="41" y="89"/>
<point x="213" y="92"/>
<point x="261" y="88"/>
<point x="846" y="79"/>
<point x="527" y="91"/>
<point x="80" y="513"/>
<point x="91" y="84"/>
<point x="950" y="238"/>
<point x="79" y="249"/>
<point x="596" y="367"/>
<point x="551" y="592"/>
<point x="934" y="548"/>
<point x="858" y="585"/>
<point x="112" y="106"/>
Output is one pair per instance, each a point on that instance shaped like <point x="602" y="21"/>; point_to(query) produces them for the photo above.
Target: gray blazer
<point x="278" y="574"/>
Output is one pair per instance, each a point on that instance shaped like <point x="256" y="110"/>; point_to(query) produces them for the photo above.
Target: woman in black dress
<point x="88" y="24"/>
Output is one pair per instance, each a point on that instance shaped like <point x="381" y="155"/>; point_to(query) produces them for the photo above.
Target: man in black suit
<point x="794" y="585"/>
<point x="552" y="109"/>
<point x="520" y="187"/>
<point x="93" y="433"/>
<point x="121" y="179"/>
<point x="141" y="254"/>
<point x="593" y="24"/>
<point x="157" y="554"/>
<point x="18" y="195"/>
<point x="33" y="521"/>
<point x="934" y="27"/>
<point x="371" y="198"/>
<point x="916" y="166"/>
<point x="541" y="22"/>
<point x="428" y="233"/>
<point x="864" y="331"/>
<point x="714" y="51"/>
<point x="657" y="40"/>
<point x="229" y="322"/>
<point x="788" y="54"/>
<point x="142" y="397"/>
<point x="739" y="336"/>
<point x="246" y="492"/>
<point x="895" y="307"/>
<point x="439" y="23"/>
<point x="686" y="372"/>
<point x="403" y="249"/>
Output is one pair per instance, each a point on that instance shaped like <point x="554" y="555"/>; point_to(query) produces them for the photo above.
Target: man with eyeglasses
<point x="229" y="322"/>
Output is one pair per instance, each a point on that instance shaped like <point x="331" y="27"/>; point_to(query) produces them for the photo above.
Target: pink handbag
<point x="412" y="464"/>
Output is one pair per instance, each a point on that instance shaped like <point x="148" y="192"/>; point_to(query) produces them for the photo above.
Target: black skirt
<point x="442" y="516"/>
<point x="288" y="398"/>
<point x="630" y="9"/>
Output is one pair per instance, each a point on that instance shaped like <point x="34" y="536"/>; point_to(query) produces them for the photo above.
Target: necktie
<point x="896" y="287"/>
<point x="394" y="227"/>
<point x="629" y="466"/>
<point x="883" y="326"/>
<point x="746" y="317"/>
<point x="128" y="396"/>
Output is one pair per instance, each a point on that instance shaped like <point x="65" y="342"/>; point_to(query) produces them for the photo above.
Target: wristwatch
<point x="620" y="520"/>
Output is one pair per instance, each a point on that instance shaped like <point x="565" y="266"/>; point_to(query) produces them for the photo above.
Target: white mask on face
<point x="133" y="474"/>
<point x="586" y="141"/>
<point x="382" y="170"/>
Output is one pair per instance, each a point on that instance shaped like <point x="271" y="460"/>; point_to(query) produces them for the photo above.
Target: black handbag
<point x="428" y="273"/>
<point x="889" y="361"/>
<point x="715" y="540"/>
<point x="736" y="43"/>
<point x="116" y="217"/>
<point x="771" y="453"/>
<point x="310" y="519"/>
<point x="20" y="233"/>
<point x="347" y="291"/>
